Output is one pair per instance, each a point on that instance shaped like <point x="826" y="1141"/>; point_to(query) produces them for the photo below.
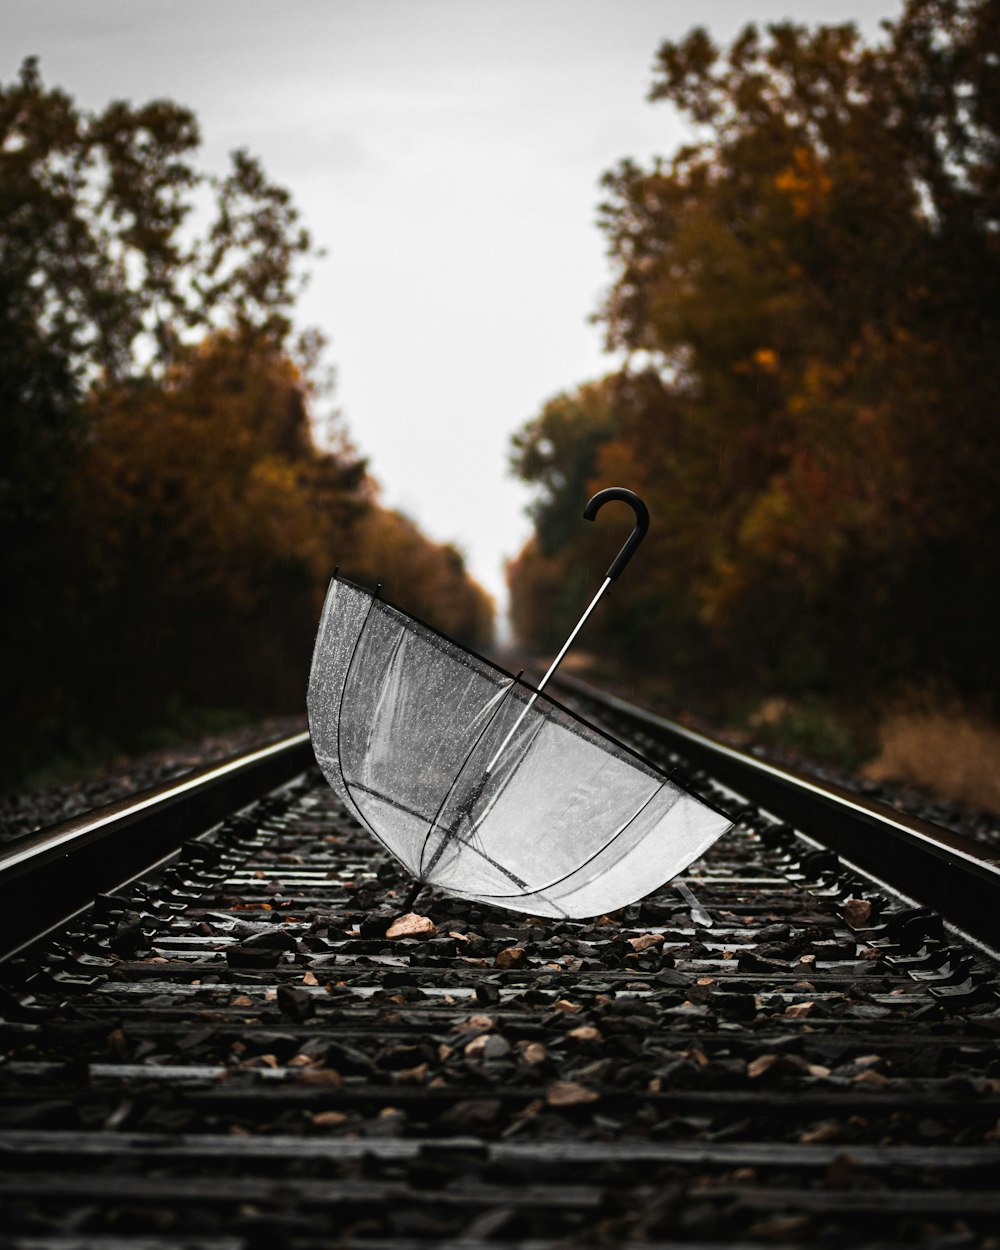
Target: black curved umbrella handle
<point x="641" y="523"/>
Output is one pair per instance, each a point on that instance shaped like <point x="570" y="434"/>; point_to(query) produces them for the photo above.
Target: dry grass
<point x="951" y="753"/>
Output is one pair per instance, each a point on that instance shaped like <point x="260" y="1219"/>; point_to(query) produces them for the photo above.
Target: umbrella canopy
<point x="481" y="784"/>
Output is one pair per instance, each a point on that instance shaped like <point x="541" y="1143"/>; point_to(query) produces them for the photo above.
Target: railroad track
<point x="229" y="1048"/>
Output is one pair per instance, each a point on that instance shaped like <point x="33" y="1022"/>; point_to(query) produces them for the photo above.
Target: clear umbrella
<point x="480" y="783"/>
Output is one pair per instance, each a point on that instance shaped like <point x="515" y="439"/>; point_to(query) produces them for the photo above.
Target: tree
<point x="812" y="285"/>
<point x="425" y="578"/>
<point x="555" y="453"/>
<point x="204" y="522"/>
<point x="103" y="280"/>
<point x="205" y="526"/>
<point x="168" y="524"/>
<point x="98" y="251"/>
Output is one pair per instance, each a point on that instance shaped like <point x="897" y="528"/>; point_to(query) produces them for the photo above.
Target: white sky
<point x="446" y="154"/>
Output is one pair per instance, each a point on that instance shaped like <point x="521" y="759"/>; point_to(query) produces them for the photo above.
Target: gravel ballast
<point x="22" y="814"/>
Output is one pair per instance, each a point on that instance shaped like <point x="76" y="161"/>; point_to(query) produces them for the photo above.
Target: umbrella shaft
<point x="552" y="668"/>
<point x="411" y="898"/>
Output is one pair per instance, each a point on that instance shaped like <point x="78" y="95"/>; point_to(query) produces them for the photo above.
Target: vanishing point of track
<point x="209" y="1039"/>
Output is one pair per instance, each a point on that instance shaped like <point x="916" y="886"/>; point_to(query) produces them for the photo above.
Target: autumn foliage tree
<point x="808" y="297"/>
<point x="206" y="521"/>
<point x="168" y="520"/>
<point x="424" y="578"/>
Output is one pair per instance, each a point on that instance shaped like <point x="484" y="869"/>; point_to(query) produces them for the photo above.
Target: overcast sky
<point x="446" y="154"/>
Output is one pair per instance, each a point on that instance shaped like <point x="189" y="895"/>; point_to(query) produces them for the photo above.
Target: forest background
<point x="169" y="515"/>
<point x="808" y="296"/>
<point x="806" y="299"/>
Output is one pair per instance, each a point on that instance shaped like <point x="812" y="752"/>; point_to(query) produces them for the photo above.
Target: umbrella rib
<point x="499" y="794"/>
<point x="551" y="669"/>
<point x="484" y="854"/>
<point x="340" y="720"/>
<point x="481" y="851"/>
<point x="600" y="850"/>
<point x="474" y="825"/>
<point x="385" y="798"/>
<point x="450" y="833"/>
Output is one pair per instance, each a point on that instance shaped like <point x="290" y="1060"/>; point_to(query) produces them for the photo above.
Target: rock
<point x="118" y="1043"/>
<point x="411" y="1076"/>
<point x="828" y="1131"/>
<point x="751" y="962"/>
<point x="475" y="1024"/>
<point x="569" y="1094"/>
<point x="645" y="941"/>
<point x="262" y="950"/>
<point x="374" y="927"/>
<point x="326" y="1077"/>
<point x="761" y="1065"/>
<point x="295" y="1003"/>
<point x="328" y="1119"/>
<point x="269" y="939"/>
<point x="857" y="912"/>
<point x="668" y="976"/>
<point x="511" y="957"/>
<point x="472" y="1113"/>
<point x="585" y="1033"/>
<point x="349" y="1059"/>
<point x="780" y="1229"/>
<point x="261" y="1061"/>
<point x="411" y="926"/>
<point x="488" y="1047"/>
<point x="870" y="1077"/>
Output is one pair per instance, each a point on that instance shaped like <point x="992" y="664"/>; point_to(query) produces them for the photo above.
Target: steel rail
<point x="46" y="877"/>
<point x="954" y="875"/>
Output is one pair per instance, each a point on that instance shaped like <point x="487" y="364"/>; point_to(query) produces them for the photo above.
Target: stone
<point x="511" y="957"/>
<point x="585" y="1033"/>
<point x="411" y="926"/>
<point x="569" y="1094"/>
<point x="857" y="912"/>
<point x="487" y="1046"/>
